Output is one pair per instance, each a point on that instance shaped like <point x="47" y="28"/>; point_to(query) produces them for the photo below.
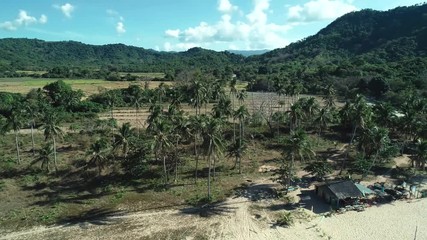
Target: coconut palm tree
<point x="421" y="154"/>
<point x="121" y="139"/>
<point x="296" y="114"/>
<point x="14" y="122"/>
<point x="98" y="152"/>
<point x="212" y="133"/>
<point x="196" y="126"/>
<point x="44" y="157"/>
<point x="241" y="113"/>
<point x="32" y="113"/>
<point x="323" y="119"/>
<point x="162" y="140"/>
<point x="329" y="97"/>
<point x="52" y="130"/>
<point x="137" y="100"/>
<point x="233" y="92"/>
<point x="297" y="147"/>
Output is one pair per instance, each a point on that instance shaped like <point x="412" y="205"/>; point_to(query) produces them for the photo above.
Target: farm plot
<point x="256" y="102"/>
<point x="88" y="86"/>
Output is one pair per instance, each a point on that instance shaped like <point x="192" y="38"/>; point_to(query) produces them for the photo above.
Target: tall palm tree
<point x="196" y="126"/>
<point x="329" y="97"/>
<point x="162" y="140"/>
<point x="137" y="100"/>
<point x="212" y="132"/>
<point x="233" y="92"/>
<point x="296" y="114"/>
<point x="297" y="147"/>
<point x="323" y="119"/>
<point x="32" y="113"/>
<point x="121" y="139"/>
<point x="52" y="130"/>
<point x="241" y="113"/>
<point x="14" y="121"/>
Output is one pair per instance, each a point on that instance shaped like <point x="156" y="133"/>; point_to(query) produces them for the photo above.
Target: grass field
<point x="88" y="86"/>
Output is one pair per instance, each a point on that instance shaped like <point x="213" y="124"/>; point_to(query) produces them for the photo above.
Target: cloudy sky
<point x="176" y="25"/>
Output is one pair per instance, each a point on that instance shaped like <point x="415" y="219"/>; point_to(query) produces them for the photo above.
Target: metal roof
<point x="344" y="189"/>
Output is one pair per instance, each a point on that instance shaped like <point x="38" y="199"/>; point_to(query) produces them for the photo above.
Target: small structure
<point x="339" y="191"/>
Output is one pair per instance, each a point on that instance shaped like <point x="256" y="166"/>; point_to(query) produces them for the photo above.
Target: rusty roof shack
<point x="339" y="191"/>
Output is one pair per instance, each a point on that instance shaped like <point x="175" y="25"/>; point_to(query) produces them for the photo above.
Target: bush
<point x="285" y="219"/>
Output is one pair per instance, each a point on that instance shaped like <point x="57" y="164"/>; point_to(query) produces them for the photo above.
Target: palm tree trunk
<point x="164" y="168"/>
<point x="54" y="154"/>
<point x="18" y="156"/>
<point x="176" y="161"/>
<point x="197" y="158"/>
<point x="234" y="124"/>
<point x="209" y="169"/>
<point x="240" y="146"/>
<point x="32" y="139"/>
<point x="343" y="163"/>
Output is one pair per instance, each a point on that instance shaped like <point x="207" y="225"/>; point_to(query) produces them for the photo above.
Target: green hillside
<point x="33" y="54"/>
<point x="363" y="44"/>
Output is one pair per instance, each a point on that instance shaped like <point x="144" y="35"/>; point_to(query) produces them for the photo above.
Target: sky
<point x="177" y="25"/>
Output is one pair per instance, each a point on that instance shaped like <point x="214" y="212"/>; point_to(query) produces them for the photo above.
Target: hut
<point x="336" y="192"/>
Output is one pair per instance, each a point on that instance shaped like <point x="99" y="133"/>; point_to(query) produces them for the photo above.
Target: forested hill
<point x="367" y="43"/>
<point x="33" y="54"/>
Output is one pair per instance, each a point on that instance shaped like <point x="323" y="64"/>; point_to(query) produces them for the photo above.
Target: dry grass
<point x="88" y="86"/>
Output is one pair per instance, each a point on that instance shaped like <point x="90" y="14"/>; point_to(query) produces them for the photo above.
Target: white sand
<point x="398" y="220"/>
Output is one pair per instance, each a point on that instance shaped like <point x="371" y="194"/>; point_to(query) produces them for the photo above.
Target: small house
<point x="336" y="192"/>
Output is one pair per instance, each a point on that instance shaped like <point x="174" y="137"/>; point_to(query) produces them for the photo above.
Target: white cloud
<point x="66" y="9"/>
<point x="173" y="33"/>
<point x="225" y="6"/>
<point x="253" y="31"/>
<point x="317" y="10"/>
<point x="43" y="19"/>
<point x="120" y="28"/>
<point x="23" y="19"/>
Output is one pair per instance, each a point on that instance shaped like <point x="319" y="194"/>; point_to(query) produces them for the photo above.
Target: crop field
<point x="256" y="102"/>
<point x="88" y="86"/>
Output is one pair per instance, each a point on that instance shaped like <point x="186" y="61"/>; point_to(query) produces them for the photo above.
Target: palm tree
<point x="329" y="97"/>
<point x="422" y="154"/>
<point x="14" y="121"/>
<point x="45" y="157"/>
<point x="52" y="131"/>
<point x="212" y="132"/>
<point x="241" y="113"/>
<point x="162" y="140"/>
<point x="137" y="100"/>
<point x="196" y="125"/>
<point x="296" y="114"/>
<point x="297" y="146"/>
<point x="323" y="119"/>
<point x="233" y="91"/>
<point x="121" y="139"/>
<point x="98" y="152"/>
<point x="32" y="113"/>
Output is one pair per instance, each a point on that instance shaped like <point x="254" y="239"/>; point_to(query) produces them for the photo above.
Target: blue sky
<point x="176" y="25"/>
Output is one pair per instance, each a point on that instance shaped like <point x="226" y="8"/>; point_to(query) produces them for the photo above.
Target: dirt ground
<point x="250" y="214"/>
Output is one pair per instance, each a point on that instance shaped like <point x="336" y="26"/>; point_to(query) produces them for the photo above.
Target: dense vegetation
<point x="356" y="48"/>
<point x="80" y="59"/>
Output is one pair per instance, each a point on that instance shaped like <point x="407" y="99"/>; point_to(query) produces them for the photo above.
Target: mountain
<point x="364" y="44"/>
<point x="34" y="54"/>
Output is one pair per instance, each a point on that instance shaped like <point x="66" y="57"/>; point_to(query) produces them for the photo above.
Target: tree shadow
<point x="209" y="210"/>
<point x="94" y="217"/>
